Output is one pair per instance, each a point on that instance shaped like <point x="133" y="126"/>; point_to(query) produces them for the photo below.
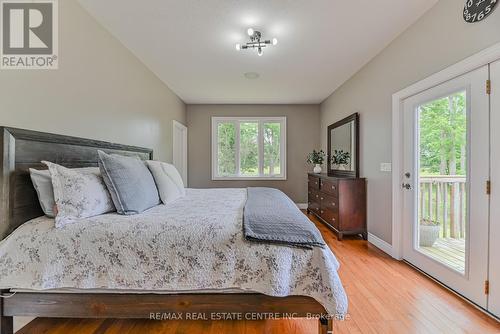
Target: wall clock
<point x="478" y="10"/>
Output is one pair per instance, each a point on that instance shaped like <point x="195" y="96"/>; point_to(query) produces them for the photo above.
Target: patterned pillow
<point x="78" y="193"/>
<point x="42" y="181"/>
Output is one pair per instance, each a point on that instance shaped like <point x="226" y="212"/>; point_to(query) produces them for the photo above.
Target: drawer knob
<point x="321" y="198"/>
<point x="333" y="219"/>
<point x="322" y="211"/>
<point x="333" y="204"/>
<point x="333" y="187"/>
<point x="317" y="196"/>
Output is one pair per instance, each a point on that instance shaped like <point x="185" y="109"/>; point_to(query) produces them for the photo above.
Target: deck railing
<point x="443" y="200"/>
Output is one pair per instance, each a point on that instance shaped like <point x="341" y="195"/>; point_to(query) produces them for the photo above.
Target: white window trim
<point x="237" y="120"/>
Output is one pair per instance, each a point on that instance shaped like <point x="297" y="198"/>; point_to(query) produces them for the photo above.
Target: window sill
<point x="249" y="178"/>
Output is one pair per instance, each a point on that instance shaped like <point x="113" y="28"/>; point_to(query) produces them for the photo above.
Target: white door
<point x="446" y="164"/>
<point x="494" y="279"/>
<point x="180" y="149"/>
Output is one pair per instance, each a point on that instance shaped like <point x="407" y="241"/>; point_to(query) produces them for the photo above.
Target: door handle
<point x="406" y="186"/>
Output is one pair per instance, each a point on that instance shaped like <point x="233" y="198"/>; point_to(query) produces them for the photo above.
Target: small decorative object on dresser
<point x="340" y="159"/>
<point x="316" y="158"/>
<point x="340" y="203"/>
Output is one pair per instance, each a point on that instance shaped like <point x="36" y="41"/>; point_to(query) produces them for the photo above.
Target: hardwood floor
<point x="385" y="296"/>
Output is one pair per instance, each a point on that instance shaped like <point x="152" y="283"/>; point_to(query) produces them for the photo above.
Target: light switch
<point x="385" y="167"/>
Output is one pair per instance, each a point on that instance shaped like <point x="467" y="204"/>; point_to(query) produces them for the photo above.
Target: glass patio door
<point x="446" y="161"/>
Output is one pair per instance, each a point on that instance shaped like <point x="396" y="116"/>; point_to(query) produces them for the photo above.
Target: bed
<point x="112" y="266"/>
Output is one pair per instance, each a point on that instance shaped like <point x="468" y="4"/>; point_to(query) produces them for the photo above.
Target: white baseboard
<point x="20" y="322"/>
<point x="381" y="244"/>
<point x="302" y="206"/>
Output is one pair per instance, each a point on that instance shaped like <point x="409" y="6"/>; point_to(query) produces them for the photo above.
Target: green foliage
<point x="340" y="157"/>
<point x="226" y="149"/>
<point x="272" y="136"/>
<point x="249" y="148"/>
<point x="443" y="129"/>
<point x="316" y="157"/>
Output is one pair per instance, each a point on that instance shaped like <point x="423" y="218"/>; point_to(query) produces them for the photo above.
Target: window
<point x="248" y="148"/>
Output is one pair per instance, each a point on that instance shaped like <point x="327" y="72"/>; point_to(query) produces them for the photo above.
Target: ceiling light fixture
<point x="256" y="42"/>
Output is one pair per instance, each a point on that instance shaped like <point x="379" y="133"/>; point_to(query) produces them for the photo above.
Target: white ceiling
<point x="190" y="44"/>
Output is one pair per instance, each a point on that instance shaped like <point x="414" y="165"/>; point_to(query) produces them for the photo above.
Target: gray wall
<point x="302" y="138"/>
<point x="439" y="39"/>
<point x="100" y="91"/>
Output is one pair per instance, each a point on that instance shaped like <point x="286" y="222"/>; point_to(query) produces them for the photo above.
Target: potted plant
<point x="316" y="158"/>
<point x="429" y="232"/>
<point x="340" y="159"/>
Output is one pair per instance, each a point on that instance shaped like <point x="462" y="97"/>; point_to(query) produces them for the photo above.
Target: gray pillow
<point x="129" y="182"/>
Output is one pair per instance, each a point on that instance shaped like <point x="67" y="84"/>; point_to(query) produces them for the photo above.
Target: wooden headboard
<point x="24" y="149"/>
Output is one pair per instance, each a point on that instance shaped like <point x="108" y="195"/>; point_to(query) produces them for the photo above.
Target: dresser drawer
<point x="329" y="203"/>
<point x="330" y="187"/>
<point x="313" y="182"/>
<point x="314" y="207"/>
<point x="330" y="217"/>
<point x="313" y="201"/>
<point x="315" y="196"/>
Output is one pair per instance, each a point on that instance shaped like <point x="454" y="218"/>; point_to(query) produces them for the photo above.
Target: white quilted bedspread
<point x="193" y="243"/>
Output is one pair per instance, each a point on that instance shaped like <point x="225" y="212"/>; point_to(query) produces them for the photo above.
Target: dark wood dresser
<point x="338" y="202"/>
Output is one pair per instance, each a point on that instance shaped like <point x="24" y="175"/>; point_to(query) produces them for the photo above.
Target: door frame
<point x="469" y="64"/>
<point x="177" y="126"/>
<point x="494" y="269"/>
<point x="469" y="282"/>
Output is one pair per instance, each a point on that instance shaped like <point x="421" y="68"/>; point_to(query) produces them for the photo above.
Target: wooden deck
<point x="449" y="251"/>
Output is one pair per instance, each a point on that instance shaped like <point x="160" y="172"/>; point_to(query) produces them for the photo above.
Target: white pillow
<point x="42" y="181"/>
<point x="78" y="193"/>
<point x="168" y="180"/>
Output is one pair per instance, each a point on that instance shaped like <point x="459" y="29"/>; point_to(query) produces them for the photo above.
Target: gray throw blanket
<point x="271" y="216"/>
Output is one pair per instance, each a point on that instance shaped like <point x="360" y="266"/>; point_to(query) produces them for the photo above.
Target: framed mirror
<point x="343" y="147"/>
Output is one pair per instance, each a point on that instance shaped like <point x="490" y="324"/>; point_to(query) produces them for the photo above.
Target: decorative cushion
<point x="78" y="193"/>
<point x="130" y="183"/>
<point x="42" y="181"/>
<point x="168" y="180"/>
